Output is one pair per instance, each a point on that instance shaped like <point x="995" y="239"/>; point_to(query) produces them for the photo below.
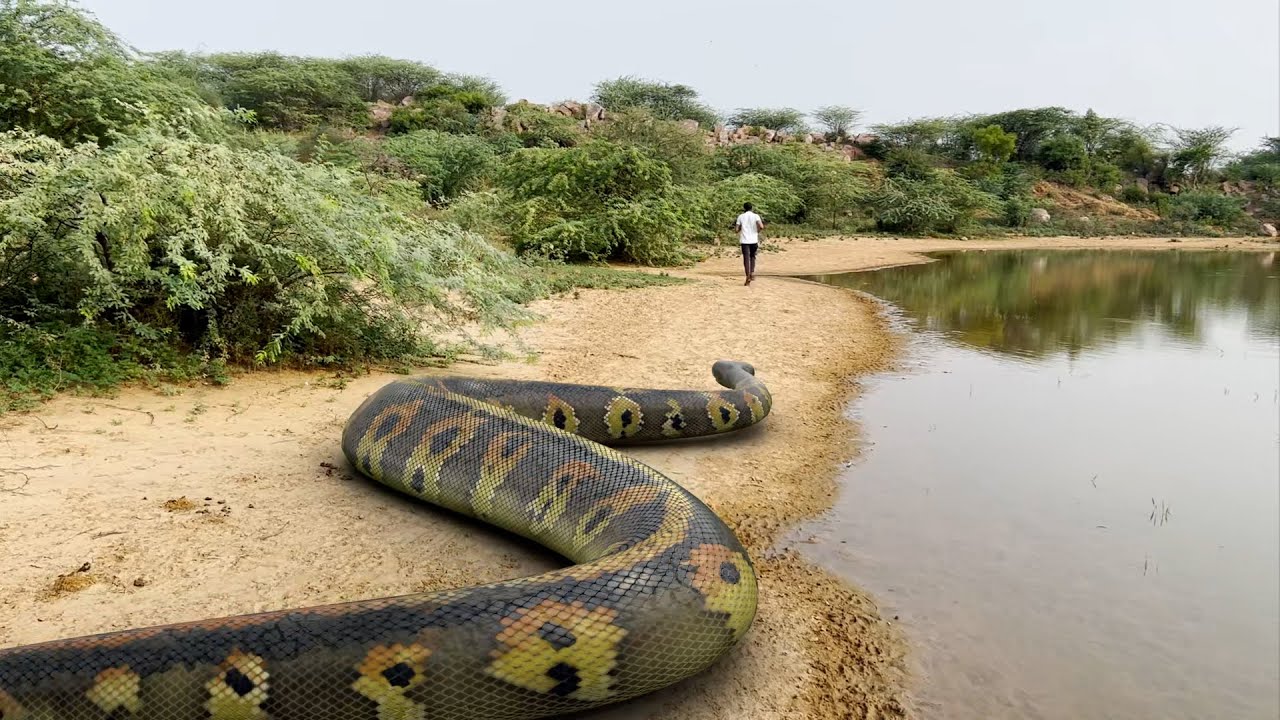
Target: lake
<point x="1069" y="493"/>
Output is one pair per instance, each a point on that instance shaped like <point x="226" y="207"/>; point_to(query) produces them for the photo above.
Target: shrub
<point x="443" y="165"/>
<point x="944" y="202"/>
<point x="534" y="126"/>
<point x="823" y="181"/>
<point x="241" y="255"/>
<point x="774" y="199"/>
<point x="685" y="153"/>
<point x="1204" y="206"/>
<point x="994" y="145"/>
<point x="1063" y="153"/>
<point x="1134" y="194"/>
<point x="597" y="201"/>
<point x="442" y="114"/>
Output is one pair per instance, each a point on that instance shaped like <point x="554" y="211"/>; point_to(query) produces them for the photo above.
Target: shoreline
<point x="246" y="483"/>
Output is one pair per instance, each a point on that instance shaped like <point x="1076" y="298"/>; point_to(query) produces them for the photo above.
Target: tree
<point x="666" y="101"/>
<point x="1197" y="152"/>
<point x="289" y="93"/>
<point x="922" y="135"/>
<point x="1063" y="153"/>
<point x="388" y="79"/>
<point x="995" y="146"/>
<point x="64" y="75"/>
<point x="787" y="120"/>
<point x="1097" y="131"/>
<point x="1032" y="126"/>
<point x="837" y="120"/>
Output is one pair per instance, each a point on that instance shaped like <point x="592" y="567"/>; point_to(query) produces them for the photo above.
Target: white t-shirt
<point x="747" y="232"/>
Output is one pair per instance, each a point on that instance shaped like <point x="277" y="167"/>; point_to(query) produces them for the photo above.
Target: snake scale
<point x="659" y="589"/>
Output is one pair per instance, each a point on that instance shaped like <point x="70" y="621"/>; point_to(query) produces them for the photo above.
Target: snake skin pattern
<point x="659" y="590"/>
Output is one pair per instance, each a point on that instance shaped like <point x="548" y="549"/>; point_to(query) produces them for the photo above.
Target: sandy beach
<point x="185" y="502"/>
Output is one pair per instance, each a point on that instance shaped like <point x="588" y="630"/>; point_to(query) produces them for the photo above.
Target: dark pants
<point x="749" y="257"/>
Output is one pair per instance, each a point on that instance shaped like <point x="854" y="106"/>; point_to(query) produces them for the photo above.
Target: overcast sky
<point x="1182" y="62"/>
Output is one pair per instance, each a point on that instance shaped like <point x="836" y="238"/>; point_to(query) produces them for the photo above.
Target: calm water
<point x="1071" y="496"/>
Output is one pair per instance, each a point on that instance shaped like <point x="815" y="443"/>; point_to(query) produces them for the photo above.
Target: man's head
<point x="746" y="207"/>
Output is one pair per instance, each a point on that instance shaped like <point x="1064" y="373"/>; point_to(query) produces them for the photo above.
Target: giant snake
<point x="660" y="588"/>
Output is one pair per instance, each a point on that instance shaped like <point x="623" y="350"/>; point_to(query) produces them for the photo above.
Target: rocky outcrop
<point x="1269" y="230"/>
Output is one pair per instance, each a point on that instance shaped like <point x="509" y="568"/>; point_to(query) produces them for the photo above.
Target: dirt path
<point x="163" y="506"/>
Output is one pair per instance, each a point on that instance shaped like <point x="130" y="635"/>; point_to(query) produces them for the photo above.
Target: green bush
<point x="1134" y="194"/>
<point x="1208" y="207"/>
<point x="599" y="201"/>
<point x="824" y="182"/>
<point x="685" y="153"/>
<point x="1063" y="153"/>
<point x="239" y="255"/>
<point x="1017" y="211"/>
<point x="442" y="114"/>
<point x="534" y="126"/>
<point x="774" y="199"/>
<point x="443" y="165"/>
<point x="944" y="202"/>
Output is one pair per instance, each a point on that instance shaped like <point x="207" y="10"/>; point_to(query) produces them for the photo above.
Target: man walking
<point x="749" y="226"/>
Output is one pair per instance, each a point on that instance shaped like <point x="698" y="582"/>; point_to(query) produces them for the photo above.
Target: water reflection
<point x="1071" y="495"/>
<point x="1039" y="303"/>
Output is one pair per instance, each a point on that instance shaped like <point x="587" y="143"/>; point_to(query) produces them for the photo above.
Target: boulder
<point x="769" y="135"/>
<point x="406" y="101"/>
<point x="594" y="112"/>
<point x="689" y="125"/>
<point x="1143" y="184"/>
<point x="1269" y="230"/>
<point x="1039" y="216"/>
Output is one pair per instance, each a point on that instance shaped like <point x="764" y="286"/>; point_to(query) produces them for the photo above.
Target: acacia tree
<point x="666" y="101"/>
<point x="64" y="75"/>
<point x="778" y="119"/>
<point x="1197" y="152"/>
<point x="837" y="120"/>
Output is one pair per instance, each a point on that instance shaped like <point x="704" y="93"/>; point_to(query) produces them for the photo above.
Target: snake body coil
<point x="659" y="590"/>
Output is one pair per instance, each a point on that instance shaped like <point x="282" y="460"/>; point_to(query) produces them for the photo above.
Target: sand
<point x="158" y="506"/>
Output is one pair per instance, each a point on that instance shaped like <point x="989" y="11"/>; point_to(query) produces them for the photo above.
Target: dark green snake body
<point x="659" y="590"/>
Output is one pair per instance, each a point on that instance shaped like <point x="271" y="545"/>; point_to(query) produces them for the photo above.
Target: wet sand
<point x="180" y="503"/>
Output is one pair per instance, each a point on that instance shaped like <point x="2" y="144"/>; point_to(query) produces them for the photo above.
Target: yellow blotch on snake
<point x="559" y="413"/>
<point x="557" y="648"/>
<point x="726" y="582"/>
<point x="757" y="409"/>
<point x="675" y="422"/>
<point x="113" y="689"/>
<point x="722" y="413"/>
<point x="239" y="689"/>
<point x="387" y="674"/>
<point x="623" y="417"/>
